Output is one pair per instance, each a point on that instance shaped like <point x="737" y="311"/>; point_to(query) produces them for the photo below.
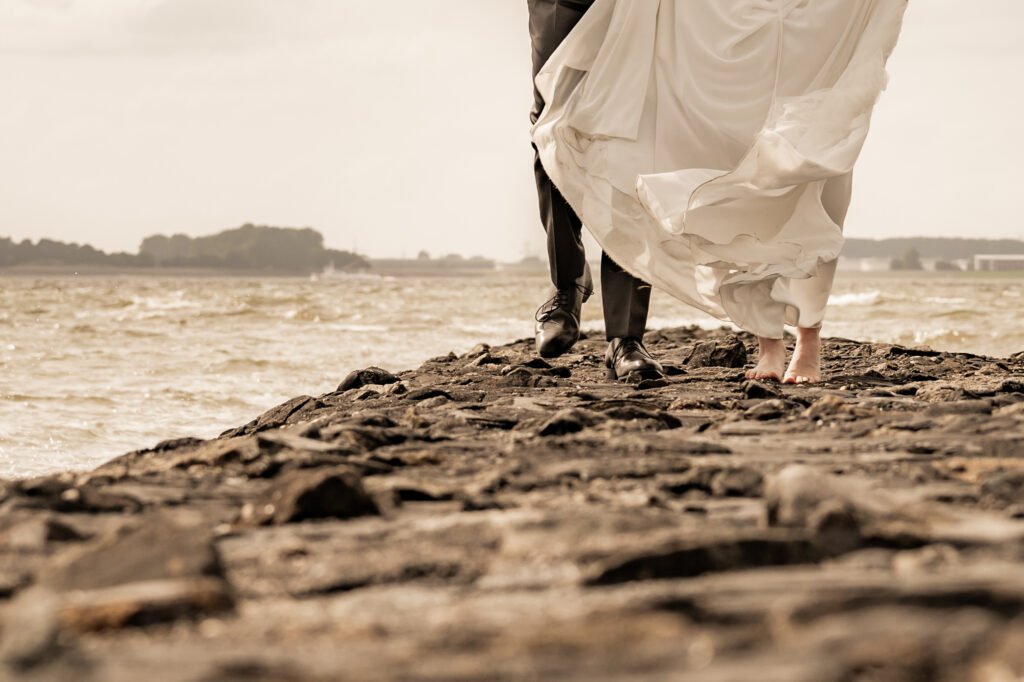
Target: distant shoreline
<point x="116" y="271"/>
<point x="468" y="273"/>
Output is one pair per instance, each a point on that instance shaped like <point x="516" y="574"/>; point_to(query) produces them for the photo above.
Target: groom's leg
<point x="626" y="301"/>
<point x="550" y="23"/>
<point x="558" y="320"/>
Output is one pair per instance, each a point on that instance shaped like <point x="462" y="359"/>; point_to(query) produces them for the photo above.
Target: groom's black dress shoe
<point x="627" y="357"/>
<point x="558" y="321"/>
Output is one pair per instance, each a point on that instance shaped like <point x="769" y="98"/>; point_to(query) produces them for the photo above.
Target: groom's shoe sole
<point x="637" y="375"/>
<point x="556" y="346"/>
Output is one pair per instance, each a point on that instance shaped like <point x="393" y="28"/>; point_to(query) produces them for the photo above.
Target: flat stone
<point x="696" y="557"/>
<point x="153" y="549"/>
<point x="313" y="494"/>
<point x="571" y="420"/>
<point x="143" y="603"/>
<point x="737" y="482"/>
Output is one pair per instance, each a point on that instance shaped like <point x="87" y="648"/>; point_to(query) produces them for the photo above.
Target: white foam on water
<point x="858" y="298"/>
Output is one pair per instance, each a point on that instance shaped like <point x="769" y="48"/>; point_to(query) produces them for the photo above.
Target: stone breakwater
<point x="497" y="517"/>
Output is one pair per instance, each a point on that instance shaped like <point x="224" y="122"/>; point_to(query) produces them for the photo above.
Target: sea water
<point x="91" y="367"/>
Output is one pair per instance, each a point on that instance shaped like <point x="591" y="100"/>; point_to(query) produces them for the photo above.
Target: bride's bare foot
<point x="805" y="367"/>
<point x="771" y="359"/>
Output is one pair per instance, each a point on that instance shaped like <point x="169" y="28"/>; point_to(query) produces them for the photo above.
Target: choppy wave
<point x="93" y="367"/>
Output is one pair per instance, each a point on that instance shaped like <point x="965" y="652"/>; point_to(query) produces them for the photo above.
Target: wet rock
<point x="692" y="558"/>
<point x="316" y="494"/>
<point x="143" y="603"/>
<point x="631" y="411"/>
<point x="800" y="497"/>
<point x="697" y="478"/>
<point x="767" y="410"/>
<point x="929" y="559"/>
<point x="444" y="359"/>
<point x="144" y="573"/>
<point x="436" y="401"/>
<point x="835" y="527"/>
<point x="64" y="496"/>
<point x="149" y="551"/>
<point x="30" y="632"/>
<point x="35" y="532"/>
<point x="284" y="413"/>
<point x="486" y="359"/>
<point x="519" y="377"/>
<point x="371" y="376"/>
<point x="218" y="453"/>
<point x="825" y="407"/>
<point x="898" y="351"/>
<point x="1004" y="486"/>
<point x="729" y="352"/>
<point x="758" y="389"/>
<point x="426" y="393"/>
<point x="942" y="392"/>
<point x="961" y="407"/>
<point x="396" y="389"/>
<point x="566" y="421"/>
<point x="1011" y="386"/>
<point x="737" y="482"/>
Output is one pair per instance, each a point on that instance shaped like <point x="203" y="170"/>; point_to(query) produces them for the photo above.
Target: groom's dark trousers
<point x="625" y="298"/>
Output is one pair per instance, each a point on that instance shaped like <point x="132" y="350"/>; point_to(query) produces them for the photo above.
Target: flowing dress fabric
<point x="708" y="144"/>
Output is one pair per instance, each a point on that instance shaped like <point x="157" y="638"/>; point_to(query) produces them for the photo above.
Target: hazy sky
<point x="398" y="126"/>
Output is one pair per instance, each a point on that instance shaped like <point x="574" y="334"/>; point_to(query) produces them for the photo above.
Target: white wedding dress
<point x="708" y="145"/>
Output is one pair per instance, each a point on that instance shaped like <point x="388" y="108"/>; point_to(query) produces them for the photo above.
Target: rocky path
<point x="496" y="517"/>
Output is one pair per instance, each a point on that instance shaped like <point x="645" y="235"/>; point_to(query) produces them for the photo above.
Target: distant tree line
<point x="50" y="252"/>
<point x="250" y="247"/>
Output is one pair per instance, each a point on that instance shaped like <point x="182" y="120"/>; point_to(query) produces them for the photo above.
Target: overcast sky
<point x="398" y="126"/>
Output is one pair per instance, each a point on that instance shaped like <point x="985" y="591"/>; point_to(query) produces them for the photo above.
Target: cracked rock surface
<point x="495" y="516"/>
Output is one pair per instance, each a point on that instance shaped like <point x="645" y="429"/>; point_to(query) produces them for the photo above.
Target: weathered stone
<point x="929" y="559"/>
<point x="826" y="406"/>
<point x="518" y="376"/>
<point x="568" y="421"/>
<point x="1005" y="486"/>
<point x="143" y="603"/>
<point x="835" y="527"/>
<point x="371" y="376"/>
<point x="277" y="416"/>
<point x="629" y="412"/>
<point x="35" y="532"/>
<point x="729" y="352"/>
<point x="961" y="407"/>
<point x="436" y="401"/>
<point x="692" y="558"/>
<point x="31" y="631"/>
<point x="759" y="389"/>
<point x="767" y="410"/>
<point x="425" y="393"/>
<point x="738" y="482"/>
<point x="486" y="359"/>
<point x="151" y="550"/>
<point x="316" y="494"/>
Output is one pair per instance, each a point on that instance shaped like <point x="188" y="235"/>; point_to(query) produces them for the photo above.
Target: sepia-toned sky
<point x="398" y="126"/>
